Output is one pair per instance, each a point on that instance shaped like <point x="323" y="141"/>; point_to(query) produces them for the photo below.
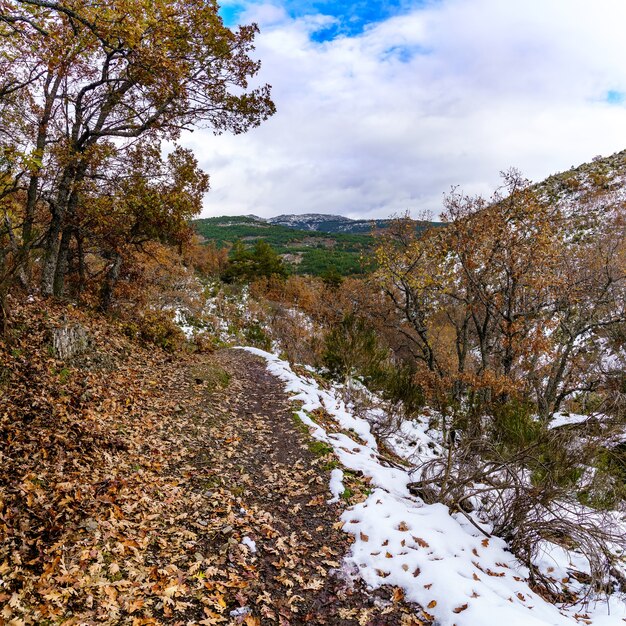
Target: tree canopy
<point x="261" y="261"/>
<point x="88" y="93"/>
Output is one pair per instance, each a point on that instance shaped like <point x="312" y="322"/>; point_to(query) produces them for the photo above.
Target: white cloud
<point x="363" y="130"/>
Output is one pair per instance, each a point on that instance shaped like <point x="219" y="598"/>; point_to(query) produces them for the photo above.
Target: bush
<point x="513" y="425"/>
<point x="156" y="327"/>
<point x="521" y="511"/>
<point x="256" y="336"/>
<point x="396" y="383"/>
<point x="331" y="278"/>
<point x="247" y="265"/>
<point x="206" y="342"/>
<point x="607" y="489"/>
<point x="352" y="349"/>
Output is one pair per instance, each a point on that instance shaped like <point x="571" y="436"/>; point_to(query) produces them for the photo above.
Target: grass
<point x="211" y="376"/>
<point x="64" y="375"/>
<point x="319" y="448"/>
<point x="300" y="425"/>
<point x="347" y="494"/>
<point x="211" y="482"/>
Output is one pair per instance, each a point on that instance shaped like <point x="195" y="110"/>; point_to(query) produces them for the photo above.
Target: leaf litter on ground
<point x="133" y="491"/>
<point x="437" y="558"/>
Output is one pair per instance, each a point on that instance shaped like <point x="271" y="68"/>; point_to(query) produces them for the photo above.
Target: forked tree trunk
<point x="64" y="205"/>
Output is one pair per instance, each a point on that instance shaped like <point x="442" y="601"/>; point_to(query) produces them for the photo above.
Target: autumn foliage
<point x="516" y="296"/>
<point x="89" y="92"/>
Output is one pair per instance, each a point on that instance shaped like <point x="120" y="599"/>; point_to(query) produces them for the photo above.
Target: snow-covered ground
<point x="439" y="559"/>
<point x="567" y="419"/>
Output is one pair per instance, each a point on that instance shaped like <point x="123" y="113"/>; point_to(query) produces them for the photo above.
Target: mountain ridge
<point x="311" y="243"/>
<point x="329" y="223"/>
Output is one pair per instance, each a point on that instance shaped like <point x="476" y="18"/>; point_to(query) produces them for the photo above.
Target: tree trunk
<point x="33" y="184"/>
<point x="18" y="253"/>
<point x="82" y="268"/>
<point x="65" y="202"/>
<point x="106" y="294"/>
<point x="51" y="247"/>
<point x="62" y="262"/>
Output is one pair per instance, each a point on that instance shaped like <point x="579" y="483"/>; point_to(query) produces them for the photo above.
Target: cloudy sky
<point x="383" y="105"/>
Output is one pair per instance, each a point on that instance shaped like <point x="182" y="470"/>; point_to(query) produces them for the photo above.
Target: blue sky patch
<point x="230" y="13"/>
<point x="351" y="16"/>
<point x="615" y="97"/>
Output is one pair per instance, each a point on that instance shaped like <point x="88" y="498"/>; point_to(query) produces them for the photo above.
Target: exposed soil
<point x="255" y="450"/>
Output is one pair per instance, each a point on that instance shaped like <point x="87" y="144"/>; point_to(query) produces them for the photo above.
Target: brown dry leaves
<point x="127" y="489"/>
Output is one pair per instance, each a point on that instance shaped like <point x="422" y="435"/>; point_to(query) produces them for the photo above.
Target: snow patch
<point x="249" y="543"/>
<point x="336" y="485"/>
<point x="439" y="559"/>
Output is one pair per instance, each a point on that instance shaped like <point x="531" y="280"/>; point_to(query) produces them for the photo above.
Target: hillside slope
<point x="306" y="251"/>
<point x="605" y="173"/>
<point x="310" y="244"/>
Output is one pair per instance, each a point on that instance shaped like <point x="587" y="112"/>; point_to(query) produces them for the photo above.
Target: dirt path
<point x="143" y="488"/>
<point x="257" y="469"/>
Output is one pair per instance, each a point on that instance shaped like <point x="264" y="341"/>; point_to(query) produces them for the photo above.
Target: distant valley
<point x="310" y="243"/>
<point x="315" y="242"/>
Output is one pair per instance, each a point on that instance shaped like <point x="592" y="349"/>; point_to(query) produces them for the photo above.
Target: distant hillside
<point x="604" y="173"/>
<point x="329" y="223"/>
<point x="310" y="244"/>
<point x="313" y="242"/>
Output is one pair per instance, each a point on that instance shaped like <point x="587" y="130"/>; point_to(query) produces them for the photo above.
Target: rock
<point x="425" y="492"/>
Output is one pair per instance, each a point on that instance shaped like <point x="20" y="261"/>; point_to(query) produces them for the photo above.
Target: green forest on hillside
<point x="305" y="252"/>
<point x="316" y="251"/>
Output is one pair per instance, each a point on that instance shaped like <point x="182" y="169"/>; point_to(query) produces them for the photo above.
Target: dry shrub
<point x="157" y="327"/>
<point x="205" y="257"/>
<point x="529" y="494"/>
<point x="205" y="342"/>
<point x="297" y="335"/>
<point x="155" y="277"/>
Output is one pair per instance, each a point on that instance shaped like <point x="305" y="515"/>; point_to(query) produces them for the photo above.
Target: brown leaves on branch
<point x="511" y="293"/>
<point x="89" y="90"/>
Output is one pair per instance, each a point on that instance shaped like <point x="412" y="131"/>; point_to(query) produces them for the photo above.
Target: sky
<point x="384" y="106"/>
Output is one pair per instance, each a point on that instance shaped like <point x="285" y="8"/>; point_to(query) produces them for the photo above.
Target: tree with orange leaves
<point x="87" y="79"/>
<point x="511" y="295"/>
